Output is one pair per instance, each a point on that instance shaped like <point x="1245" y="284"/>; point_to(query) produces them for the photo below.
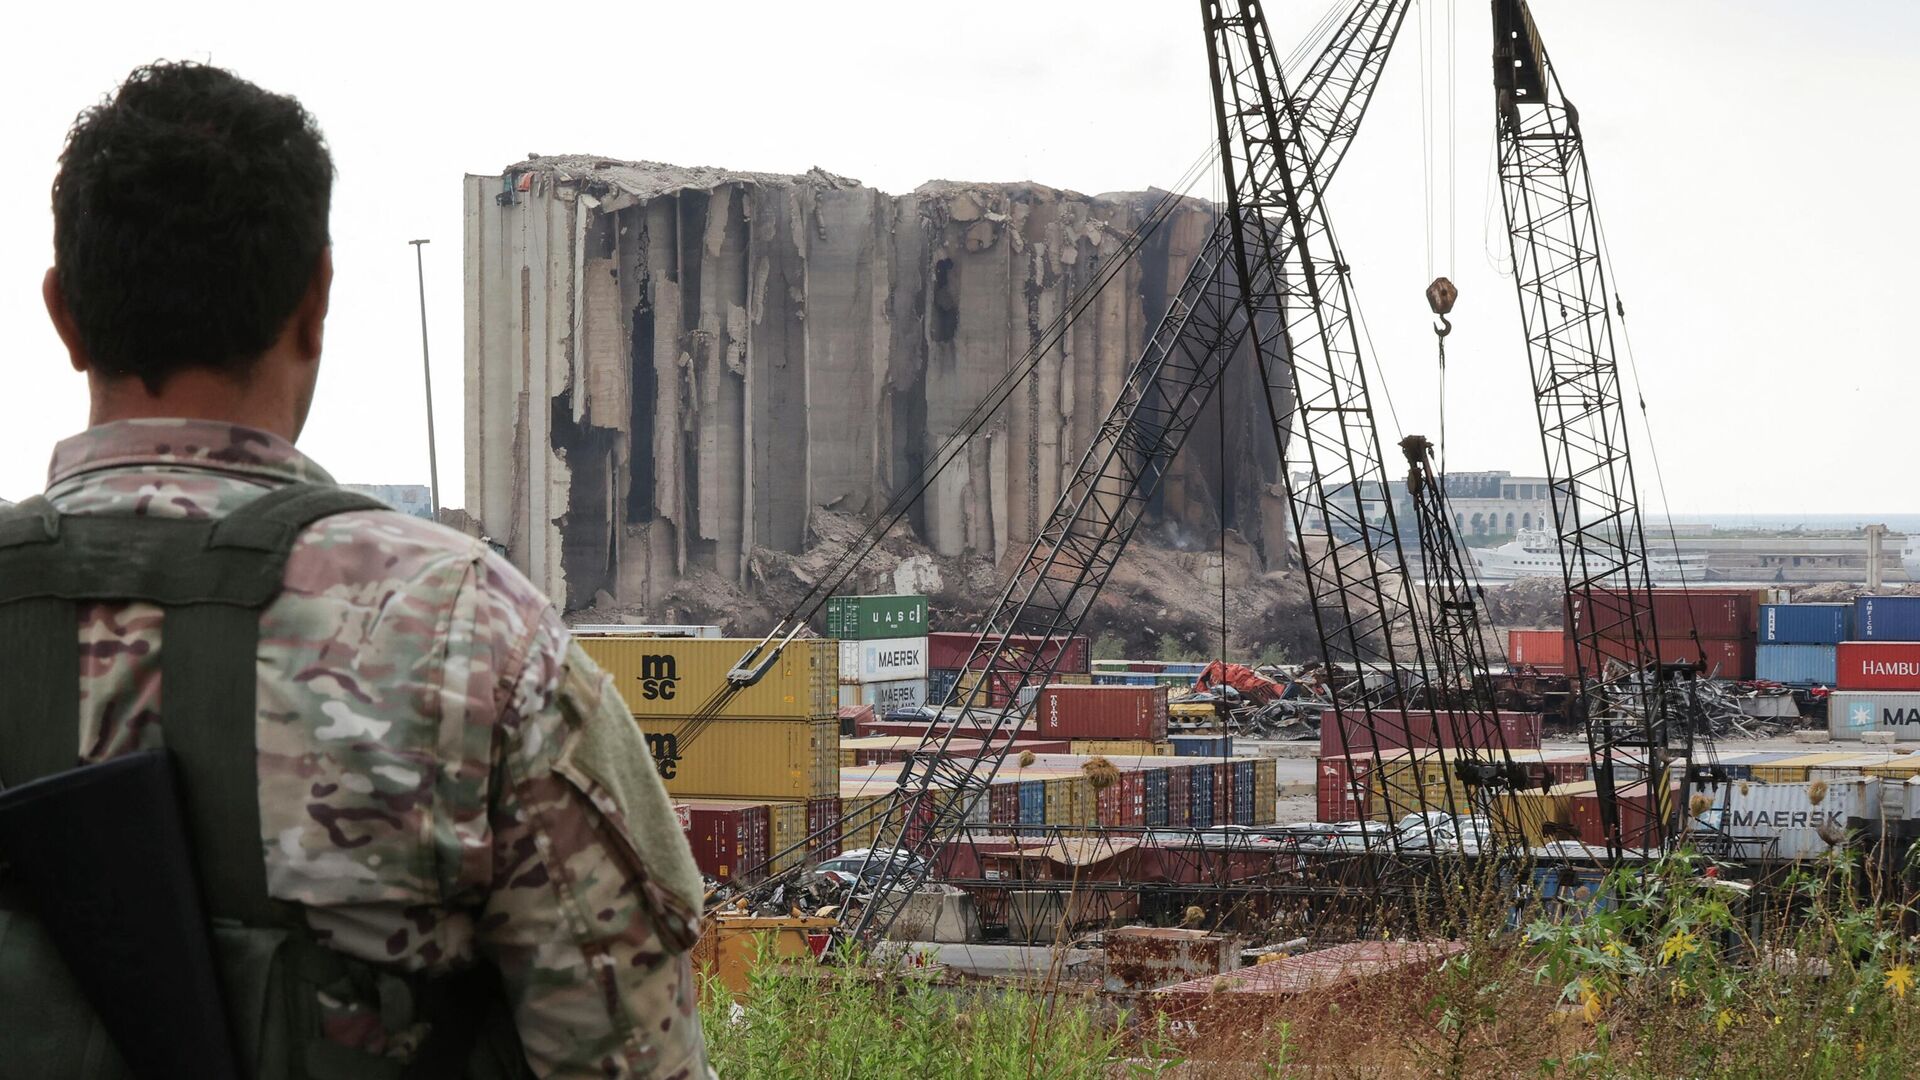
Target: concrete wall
<point x="670" y="367"/>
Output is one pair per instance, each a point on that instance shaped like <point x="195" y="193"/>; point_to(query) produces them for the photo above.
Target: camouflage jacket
<point x="444" y="776"/>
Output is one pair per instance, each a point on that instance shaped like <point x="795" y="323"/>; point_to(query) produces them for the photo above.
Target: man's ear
<point x="311" y="316"/>
<point x="62" y="319"/>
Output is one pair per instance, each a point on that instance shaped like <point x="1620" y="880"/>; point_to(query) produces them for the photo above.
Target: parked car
<point x="1305" y="834"/>
<point x="843" y="869"/>
<point x="1361" y="835"/>
<point x="1464" y="834"/>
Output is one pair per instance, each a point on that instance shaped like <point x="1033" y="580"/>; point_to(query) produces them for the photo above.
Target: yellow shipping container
<point x="1527" y="815"/>
<point x="786" y="828"/>
<point x="1902" y="768"/>
<point x="861" y="812"/>
<point x="1069" y="800"/>
<point x="1072" y="678"/>
<point x="746" y="759"/>
<point x="681" y="677"/>
<point x="1792" y="770"/>
<point x="1120" y="747"/>
<point x="1193" y="710"/>
<point x="1266" y="791"/>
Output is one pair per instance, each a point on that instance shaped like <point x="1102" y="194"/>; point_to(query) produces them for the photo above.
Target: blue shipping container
<point x="1201" y="745"/>
<point x="1156" y="788"/>
<point x="1243" y="793"/>
<point x="1805" y="624"/>
<point x="1795" y="665"/>
<point x="1033" y="802"/>
<point x="940" y="683"/>
<point x="1201" y="801"/>
<point x="1886" y="618"/>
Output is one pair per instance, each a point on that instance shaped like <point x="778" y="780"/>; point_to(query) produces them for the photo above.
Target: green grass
<point x="1676" y="975"/>
<point x="852" y="1020"/>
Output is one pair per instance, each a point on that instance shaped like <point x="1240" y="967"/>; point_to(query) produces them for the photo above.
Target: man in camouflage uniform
<point x="444" y="778"/>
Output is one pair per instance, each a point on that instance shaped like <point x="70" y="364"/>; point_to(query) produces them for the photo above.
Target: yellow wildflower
<point x="1722" y="1020"/>
<point x="1613" y="949"/>
<point x="1899" y="979"/>
<point x="1678" y="944"/>
<point x="1590" y="1003"/>
<point x="1678" y="990"/>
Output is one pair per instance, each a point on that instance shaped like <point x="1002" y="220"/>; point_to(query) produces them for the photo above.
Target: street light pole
<point x="433" y="455"/>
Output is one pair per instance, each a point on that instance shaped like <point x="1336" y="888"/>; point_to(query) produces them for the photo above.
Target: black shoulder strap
<point x="38" y="635"/>
<point x="213" y="577"/>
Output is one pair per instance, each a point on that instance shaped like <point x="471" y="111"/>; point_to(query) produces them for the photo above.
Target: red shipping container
<point x="1520" y="730"/>
<point x="1102" y="712"/>
<point x="1878" y="665"/>
<point x="1724" y="658"/>
<point x="855" y="717"/>
<point x="950" y="650"/>
<point x="1003" y="803"/>
<point x="1543" y="649"/>
<point x="1676" y="613"/>
<point x="1398" y="729"/>
<point x="1123" y="802"/>
<point x="1569" y="768"/>
<point x="823" y="825"/>
<point x="1179" y="795"/>
<point x="727" y="837"/>
<point x="1335" y="799"/>
<point x="1639" y="818"/>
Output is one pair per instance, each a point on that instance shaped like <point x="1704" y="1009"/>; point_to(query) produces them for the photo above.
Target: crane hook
<point x="1440" y="297"/>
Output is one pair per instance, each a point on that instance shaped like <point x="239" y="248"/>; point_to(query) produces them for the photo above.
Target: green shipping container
<point x="863" y="618"/>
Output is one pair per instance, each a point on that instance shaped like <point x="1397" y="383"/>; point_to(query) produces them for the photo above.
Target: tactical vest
<point x="213" y="579"/>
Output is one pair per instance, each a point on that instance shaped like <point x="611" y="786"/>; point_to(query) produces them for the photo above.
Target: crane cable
<point x="1437" y="64"/>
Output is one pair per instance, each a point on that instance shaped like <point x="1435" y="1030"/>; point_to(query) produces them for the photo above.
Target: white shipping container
<point x="1851" y="712"/>
<point x="883" y="660"/>
<point x="885" y="696"/>
<point x="1900" y="799"/>
<point x="1788" y="814"/>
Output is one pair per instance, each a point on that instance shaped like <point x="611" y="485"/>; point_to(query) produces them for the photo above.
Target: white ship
<point x="1535" y="553"/>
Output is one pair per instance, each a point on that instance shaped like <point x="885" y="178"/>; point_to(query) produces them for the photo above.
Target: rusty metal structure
<point x="1638" y="722"/>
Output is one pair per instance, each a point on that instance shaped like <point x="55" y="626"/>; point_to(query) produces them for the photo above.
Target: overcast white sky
<point x="1753" y="162"/>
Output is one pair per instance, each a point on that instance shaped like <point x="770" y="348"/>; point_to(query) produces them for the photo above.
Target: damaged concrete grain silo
<point x="669" y="369"/>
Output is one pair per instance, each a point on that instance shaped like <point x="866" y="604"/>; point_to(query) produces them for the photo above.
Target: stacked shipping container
<point x="1877" y="675"/>
<point x="1798" y="642"/>
<point x="883" y="650"/>
<point x="1725" y="621"/>
<point x="752" y="772"/>
<point x="948" y="653"/>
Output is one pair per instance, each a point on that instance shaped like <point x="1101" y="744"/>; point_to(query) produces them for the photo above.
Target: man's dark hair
<point x="189" y="216"/>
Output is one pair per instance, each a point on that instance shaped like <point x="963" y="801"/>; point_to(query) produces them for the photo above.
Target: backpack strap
<point x="38" y="636"/>
<point x="213" y="578"/>
<point x="208" y="658"/>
